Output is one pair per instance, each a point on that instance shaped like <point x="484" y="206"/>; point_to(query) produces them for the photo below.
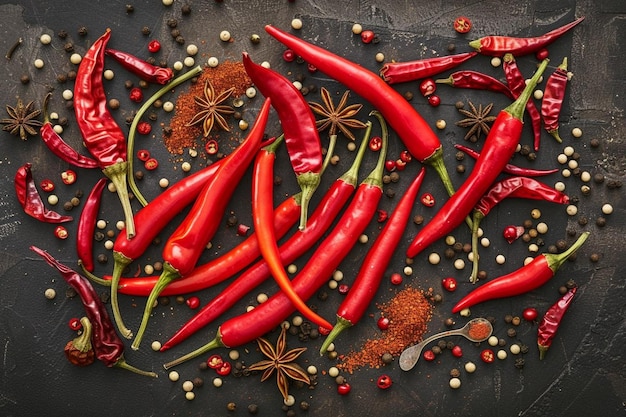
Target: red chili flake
<point x="400" y="164"/>
<point x="193" y="302"/>
<point x="487" y="356"/>
<point x="211" y="147"/>
<point x="143" y="155"/>
<point x="406" y="156"/>
<point x="154" y="46"/>
<point x="512" y="233"/>
<point x="144" y="128"/>
<point x="383" y="323"/>
<point x="151" y="164"/>
<point x="61" y="232"/>
<point x="396" y="278"/>
<point x="214" y="361"/>
<point x="367" y="36"/>
<point x="390" y="165"/>
<point x="462" y="24"/>
<point x="384" y="382"/>
<point x="429" y="355"/>
<point x="382" y="216"/>
<point x="323" y="330"/>
<point x="47" y="185"/>
<point x="542" y="54"/>
<point x="457" y="351"/>
<point x="224" y="369"/>
<point x="530" y="314"/>
<point x="242" y="229"/>
<point x="75" y="324"/>
<point x="427" y="199"/>
<point x="375" y="144"/>
<point x="449" y="284"/>
<point x="311" y="68"/>
<point x="428" y="87"/>
<point x="343" y="289"/>
<point x="68" y="177"/>
<point x="344" y="389"/>
<point x="434" y="100"/>
<point x="289" y="55"/>
<point x="136" y="94"/>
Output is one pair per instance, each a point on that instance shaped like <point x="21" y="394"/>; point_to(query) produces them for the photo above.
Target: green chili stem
<point x="556" y="260"/>
<point x="121" y="262"/>
<point x="213" y="344"/>
<point x="351" y="176"/>
<point x="122" y="364"/>
<point x="375" y="178"/>
<point x="339" y="327"/>
<point x="478" y="216"/>
<point x="332" y="143"/>
<point x="117" y="173"/>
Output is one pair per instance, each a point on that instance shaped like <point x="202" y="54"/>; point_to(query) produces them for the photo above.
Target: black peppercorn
<point x="594" y="257"/>
<point x="130" y="8"/>
<point x="71" y="75"/>
<point x="68" y="47"/>
<point x="172" y="23"/>
<point x="436" y="350"/>
<point x="82" y="31"/>
<point x="482" y="275"/>
<point x="25" y="79"/>
<point x="459" y="156"/>
<point x="525" y="150"/>
<point x="601" y="221"/>
<point x="442" y="344"/>
<point x="253" y="409"/>
<point x="570" y="284"/>
<point x="508" y="318"/>
<point x="231" y="406"/>
<point x="139" y="175"/>
<point x="451" y="47"/>
<point x="459" y="105"/>
<point x="304" y="406"/>
<point x="185" y="10"/>
<point x="98" y="236"/>
<point x="180" y="40"/>
<point x="418" y="219"/>
<point x="449" y="322"/>
<point x="511" y="332"/>
<point x="145" y="30"/>
<point x="390" y="193"/>
<point x="322" y="295"/>
<point x="519" y="363"/>
<point x="455" y="373"/>
<point x="387" y="358"/>
<point x="68" y="206"/>
<point x="62" y="34"/>
<point x="594" y="143"/>
<point x="232" y="220"/>
<point x="408" y="96"/>
<point x="582" y="220"/>
<point x="449" y="253"/>
<point x="460" y="169"/>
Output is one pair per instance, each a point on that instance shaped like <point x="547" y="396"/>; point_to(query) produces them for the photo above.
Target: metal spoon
<point x="411" y="355"/>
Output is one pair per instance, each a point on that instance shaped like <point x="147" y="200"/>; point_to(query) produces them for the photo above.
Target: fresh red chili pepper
<point x="530" y="314"/>
<point x="525" y="279"/>
<point x="47" y="185"/>
<point x="515" y="80"/>
<point x="151" y="164"/>
<point x="542" y="54"/>
<point x="224" y="369"/>
<point x="75" y="324"/>
<point x="321" y="219"/>
<point x="143" y="155"/>
<point x="477" y="81"/>
<point x="487" y="356"/>
<point x="427" y="199"/>
<point x="79" y="351"/>
<point x="262" y="213"/>
<point x="462" y="24"/>
<point x="510" y="168"/>
<point x="87" y="225"/>
<point x="242" y="229"/>
<point x="415" y="132"/>
<point x="428" y="87"/>
<point x="211" y="147"/>
<point x="107" y="345"/>
<point x="142" y="69"/>
<point x="185" y="246"/>
<point x="499" y="147"/>
<point x="375" y="143"/>
<point x="101" y="134"/>
<point x="30" y="200"/>
<point x="298" y="125"/>
<point x="551" y="321"/>
<point x="500" y="45"/>
<point x="154" y="46"/>
<point x="215" y="361"/>
<point x="384" y="382"/>
<point x="58" y="146"/>
<point x="329" y="254"/>
<point x="68" y="177"/>
<point x="60" y="232"/>
<point x="399" y="72"/>
<point x="449" y="284"/>
<point x="406" y="156"/>
<point x="382" y="215"/>
<point x="390" y="165"/>
<point x="552" y="101"/>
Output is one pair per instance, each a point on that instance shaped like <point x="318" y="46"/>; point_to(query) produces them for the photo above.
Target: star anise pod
<point x="337" y="117"/>
<point x="281" y="361"/>
<point x="477" y="119"/>
<point x="212" y="110"/>
<point x="22" y="120"/>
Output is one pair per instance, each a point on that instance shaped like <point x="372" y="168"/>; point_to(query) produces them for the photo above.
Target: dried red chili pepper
<point x="372" y="270"/>
<point x="477" y="81"/>
<point x="499" y="147"/>
<point x="298" y="125"/>
<point x="142" y="69"/>
<point x="60" y="232"/>
<point x="399" y="72"/>
<point x="30" y="200"/>
<point x="510" y="168"/>
<point x="552" y="101"/>
<point x="107" y="345"/>
<point x="551" y="321"/>
<point x="68" y="177"/>
<point x="428" y="87"/>
<point x="331" y="251"/>
<point x="101" y="134"/>
<point x="515" y="80"/>
<point x="87" y="225"/>
<point x="79" y="351"/>
<point x="186" y="244"/>
<point x="500" y="45"/>
<point x="525" y="279"/>
<point x="58" y="146"/>
<point x="415" y="132"/>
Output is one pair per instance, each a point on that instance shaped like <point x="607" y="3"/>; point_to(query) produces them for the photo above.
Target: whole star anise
<point x="281" y="361"/>
<point x="337" y="117"/>
<point x="22" y="120"/>
<point x="212" y="110"/>
<point x="477" y="120"/>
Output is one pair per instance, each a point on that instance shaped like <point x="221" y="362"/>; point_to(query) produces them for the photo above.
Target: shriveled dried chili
<point x="79" y="351"/>
<point x="399" y="72"/>
<point x="552" y="101"/>
<point x="477" y="81"/>
<point x="87" y="225"/>
<point x="30" y="200"/>
<point x="143" y="69"/>
<point x="551" y="320"/>
<point x="510" y="168"/>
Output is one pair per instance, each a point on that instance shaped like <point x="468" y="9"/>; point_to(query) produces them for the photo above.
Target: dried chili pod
<point x="31" y="201"/>
<point x="87" y="225"/>
<point x="552" y="101"/>
<point x="79" y="351"/>
<point x="551" y="321"/>
<point x="143" y="69"/>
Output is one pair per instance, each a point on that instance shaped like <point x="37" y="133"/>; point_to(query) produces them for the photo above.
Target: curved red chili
<point x="265" y="317"/>
<point x="551" y="321"/>
<point x="87" y="225"/>
<point x="185" y="246"/>
<point x="372" y="270"/>
<point x="499" y="147"/>
<point x="415" y="132"/>
<point x="400" y="72"/>
<point x="139" y="67"/>
<point x="527" y="278"/>
<point x="500" y="45"/>
<point x="510" y="168"/>
<point x="101" y="134"/>
<point x="553" y="96"/>
<point x="299" y="128"/>
<point x="30" y="200"/>
<point x="477" y="81"/>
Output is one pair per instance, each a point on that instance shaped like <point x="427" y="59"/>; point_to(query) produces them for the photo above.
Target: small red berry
<point x="68" y="177"/>
<point x="512" y="233"/>
<point x="383" y="323"/>
<point x="457" y="352"/>
<point x="390" y="165"/>
<point x="75" y="324"/>
<point x="434" y="100"/>
<point x="542" y="54"/>
<point x="449" y="284"/>
<point x="384" y="382"/>
<point x="154" y="46"/>
<point x="428" y="355"/>
<point x="193" y="302"/>
<point x="344" y="389"/>
<point x="289" y="55"/>
<point x="530" y="314"/>
<point x="144" y="128"/>
<point x="367" y="36"/>
<point x="343" y="289"/>
<point x="396" y="278"/>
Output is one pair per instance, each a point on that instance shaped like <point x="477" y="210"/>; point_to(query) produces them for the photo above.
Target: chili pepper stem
<point x="308" y="182"/>
<point x="121" y="262"/>
<point x="339" y="327"/>
<point x="517" y="108"/>
<point x="94" y="278"/>
<point x="436" y="161"/>
<point x="556" y="260"/>
<point x="83" y="342"/>
<point x="117" y="174"/>
<point x="332" y="143"/>
<point x="213" y="344"/>
<point x="476" y="219"/>
<point x="122" y="364"/>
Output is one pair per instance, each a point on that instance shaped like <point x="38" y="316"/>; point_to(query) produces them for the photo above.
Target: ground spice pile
<point x="409" y="313"/>
<point x="226" y="75"/>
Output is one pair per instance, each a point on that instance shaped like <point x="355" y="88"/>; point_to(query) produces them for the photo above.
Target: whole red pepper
<point x="527" y="278"/>
<point x="30" y="200"/>
<point x="144" y="70"/>
<point x="551" y="321"/>
<point x="499" y="147"/>
<point x="500" y="45"/>
<point x="185" y="246"/>
<point x="476" y="81"/>
<point x="87" y="225"/>
<point x="510" y="168"/>
<point x="299" y="128"/>
<point x="399" y="72"/>
<point x="101" y="134"/>
<point x="552" y="101"/>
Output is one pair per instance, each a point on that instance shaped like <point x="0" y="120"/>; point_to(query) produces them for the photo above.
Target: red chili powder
<point x="409" y="313"/>
<point x="226" y="75"/>
<point x="479" y="330"/>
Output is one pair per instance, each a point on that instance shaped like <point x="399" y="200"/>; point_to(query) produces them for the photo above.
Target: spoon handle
<point x="411" y="355"/>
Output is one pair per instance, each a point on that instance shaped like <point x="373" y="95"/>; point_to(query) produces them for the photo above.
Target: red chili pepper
<point x="185" y="246"/>
<point x="262" y="214"/>
<point x="30" y="200"/>
<point x="487" y="356"/>
<point x="298" y="125"/>
<point x="499" y="147"/>
<point x="553" y="96"/>
<point x="141" y="68"/>
<point x="47" y="185"/>
<point x="143" y="155"/>
<point x="101" y="134"/>
<point x="151" y="164"/>
<point x="399" y="72"/>
<point x="509" y="168"/>
<point x="58" y="146"/>
<point x="60" y="232"/>
<point x="375" y="143"/>
<point x="87" y="225"/>
<point x="224" y="369"/>
<point x="449" y="284"/>
<point x="477" y="81"/>
<point x="415" y="132"/>
<point x="68" y="177"/>
<point x="500" y="45"/>
<point x="79" y="351"/>
<point x="427" y="199"/>
<point x="211" y="147"/>
<point x="321" y="219"/>
<point x="215" y="361"/>
<point x="382" y="215"/>
<point x="144" y="128"/>
<point x="107" y="345"/>
<point x="515" y="80"/>
<point x="135" y="95"/>
<point x="551" y="321"/>
<point x="75" y="324"/>
<point x="428" y="87"/>
<point x="525" y="279"/>
<point x="462" y="24"/>
<point x="289" y="56"/>
<point x="329" y="254"/>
